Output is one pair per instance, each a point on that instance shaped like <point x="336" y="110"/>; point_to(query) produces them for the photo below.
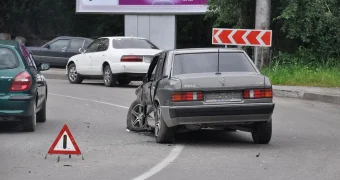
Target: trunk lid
<point x="223" y="81"/>
<point x="147" y="54"/>
<point x="223" y="88"/>
<point x="6" y="78"/>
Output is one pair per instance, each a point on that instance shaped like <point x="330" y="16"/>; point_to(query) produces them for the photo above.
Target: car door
<point x="83" y="61"/>
<point x="32" y="67"/>
<point x="56" y="52"/>
<point x="99" y="57"/>
<point x="146" y="97"/>
<point x="75" y="45"/>
<point x="158" y="76"/>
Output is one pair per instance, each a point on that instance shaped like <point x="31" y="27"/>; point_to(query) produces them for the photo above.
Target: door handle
<point x="63" y="49"/>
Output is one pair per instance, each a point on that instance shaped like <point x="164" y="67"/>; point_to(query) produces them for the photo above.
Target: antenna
<point x="218" y="62"/>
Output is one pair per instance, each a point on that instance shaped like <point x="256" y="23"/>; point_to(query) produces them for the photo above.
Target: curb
<point x="326" y="98"/>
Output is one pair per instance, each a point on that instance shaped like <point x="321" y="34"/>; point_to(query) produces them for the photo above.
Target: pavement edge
<point x="326" y="98"/>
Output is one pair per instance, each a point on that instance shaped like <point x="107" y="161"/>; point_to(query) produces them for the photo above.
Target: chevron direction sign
<point x="242" y="37"/>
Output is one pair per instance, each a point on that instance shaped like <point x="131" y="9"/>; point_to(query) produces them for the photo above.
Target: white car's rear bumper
<point x="125" y="68"/>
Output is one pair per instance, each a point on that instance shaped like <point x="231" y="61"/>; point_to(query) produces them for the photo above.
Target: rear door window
<point x="60" y="44"/>
<point x="132" y="43"/>
<point x="208" y="62"/>
<point x="28" y="57"/>
<point x="8" y="59"/>
<point x="76" y="43"/>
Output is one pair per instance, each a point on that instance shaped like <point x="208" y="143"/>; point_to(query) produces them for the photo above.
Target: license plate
<point x="231" y="96"/>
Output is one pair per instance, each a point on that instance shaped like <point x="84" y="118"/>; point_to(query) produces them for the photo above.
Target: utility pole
<point x="262" y="21"/>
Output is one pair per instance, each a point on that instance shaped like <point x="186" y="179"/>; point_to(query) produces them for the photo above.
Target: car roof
<point x="10" y="43"/>
<point x="205" y="50"/>
<point x="73" y="37"/>
<point x="121" y="37"/>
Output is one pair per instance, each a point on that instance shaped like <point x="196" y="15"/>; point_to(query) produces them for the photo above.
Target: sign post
<point x="242" y="37"/>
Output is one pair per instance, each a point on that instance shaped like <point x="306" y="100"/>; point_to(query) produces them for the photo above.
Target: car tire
<point x="262" y="132"/>
<point x="41" y="115"/>
<point x="29" y="123"/>
<point x="73" y="76"/>
<point x="132" y="115"/>
<point x="163" y="133"/>
<point x="124" y="81"/>
<point x="110" y="80"/>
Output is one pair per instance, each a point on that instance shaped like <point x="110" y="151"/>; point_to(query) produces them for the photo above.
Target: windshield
<point x="8" y="59"/>
<point x="208" y="62"/>
<point x="130" y="43"/>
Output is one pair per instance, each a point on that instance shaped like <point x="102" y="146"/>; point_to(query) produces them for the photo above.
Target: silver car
<point x="192" y="89"/>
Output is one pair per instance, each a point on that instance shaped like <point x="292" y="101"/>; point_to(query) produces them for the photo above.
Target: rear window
<point x="126" y="43"/>
<point x="8" y="59"/>
<point x="208" y="62"/>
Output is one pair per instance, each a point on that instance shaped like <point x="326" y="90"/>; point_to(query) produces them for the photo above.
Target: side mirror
<point x="82" y="50"/>
<point x="43" y="66"/>
<point x="47" y="46"/>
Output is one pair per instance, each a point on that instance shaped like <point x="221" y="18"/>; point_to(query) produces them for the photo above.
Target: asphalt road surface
<point x="305" y="143"/>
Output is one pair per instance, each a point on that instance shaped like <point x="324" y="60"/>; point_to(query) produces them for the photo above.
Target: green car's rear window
<point x="8" y="59"/>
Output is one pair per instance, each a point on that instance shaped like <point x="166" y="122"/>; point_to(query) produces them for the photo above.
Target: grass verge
<point x="303" y="76"/>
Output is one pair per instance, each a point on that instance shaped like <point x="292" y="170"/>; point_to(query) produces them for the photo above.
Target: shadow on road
<point x="10" y="127"/>
<point x="102" y="84"/>
<point x="212" y="138"/>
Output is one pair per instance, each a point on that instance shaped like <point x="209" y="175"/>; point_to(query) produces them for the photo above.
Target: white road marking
<point x="170" y="158"/>
<point x="160" y="166"/>
<point x="101" y="102"/>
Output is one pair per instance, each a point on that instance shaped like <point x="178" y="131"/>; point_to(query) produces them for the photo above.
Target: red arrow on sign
<point x="243" y="37"/>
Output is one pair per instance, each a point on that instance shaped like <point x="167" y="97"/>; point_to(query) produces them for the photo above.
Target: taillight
<point x="187" y="96"/>
<point x="131" y="59"/>
<point x="22" y="82"/>
<point x="257" y="93"/>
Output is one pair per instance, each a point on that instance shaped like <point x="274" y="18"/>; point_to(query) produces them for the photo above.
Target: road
<point x="305" y="143"/>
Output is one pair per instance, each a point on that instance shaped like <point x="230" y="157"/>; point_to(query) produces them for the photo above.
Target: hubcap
<point x="158" y="122"/>
<point x="107" y="76"/>
<point x="73" y="73"/>
<point x="137" y="118"/>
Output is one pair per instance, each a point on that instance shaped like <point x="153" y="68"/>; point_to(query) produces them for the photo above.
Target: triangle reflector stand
<point x="64" y="144"/>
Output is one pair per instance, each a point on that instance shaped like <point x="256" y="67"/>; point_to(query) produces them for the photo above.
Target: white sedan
<point x="113" y="59"/>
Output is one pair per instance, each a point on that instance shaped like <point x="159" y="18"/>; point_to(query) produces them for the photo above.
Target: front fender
<point x="139" y="92"/>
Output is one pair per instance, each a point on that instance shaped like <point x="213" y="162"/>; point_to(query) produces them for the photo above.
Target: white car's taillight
<point x="130" y="58"/>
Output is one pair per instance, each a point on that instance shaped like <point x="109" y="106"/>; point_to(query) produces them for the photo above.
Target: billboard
<point x="142" y="6"/>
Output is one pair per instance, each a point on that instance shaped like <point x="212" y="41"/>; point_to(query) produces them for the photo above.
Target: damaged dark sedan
<point x="193" y="89"/>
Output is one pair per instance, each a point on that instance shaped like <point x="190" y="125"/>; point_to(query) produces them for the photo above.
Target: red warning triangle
<point x="64" y="143"/>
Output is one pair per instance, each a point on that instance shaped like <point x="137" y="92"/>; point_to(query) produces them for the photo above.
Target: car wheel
<point x="41" y="115"/>
<point x="73" y="76"/>
<point x="136" y="117"/>
<point x="262" y="132"/>
<point x="163" y="133"/>
<point x="110" y="80"/>
<point x="124" y="81"/>
<point x="30" y="122"/>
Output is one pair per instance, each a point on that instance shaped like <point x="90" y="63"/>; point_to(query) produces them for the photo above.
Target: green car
<point x="23" y="89"/>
